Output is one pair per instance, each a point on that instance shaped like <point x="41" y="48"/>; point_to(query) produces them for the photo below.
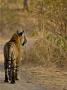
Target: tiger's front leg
<point x="13" y="72"/>
<point x="13" y="76"/>
<point x="16" y="72"/>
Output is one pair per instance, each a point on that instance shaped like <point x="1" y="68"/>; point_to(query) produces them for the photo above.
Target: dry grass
<point x="45" y="51"/>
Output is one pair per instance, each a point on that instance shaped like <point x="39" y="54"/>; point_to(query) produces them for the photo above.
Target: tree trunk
<point x="26" y="5"/>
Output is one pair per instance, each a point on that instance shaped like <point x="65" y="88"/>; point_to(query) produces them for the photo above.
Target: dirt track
<point x="22" y="84"/>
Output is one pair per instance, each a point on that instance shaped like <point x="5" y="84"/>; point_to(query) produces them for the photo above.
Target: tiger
<point x="12" y="51"/>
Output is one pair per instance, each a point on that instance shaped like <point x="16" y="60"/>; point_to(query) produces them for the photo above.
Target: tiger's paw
<point x="5" y="80"/>
<point x="12" y="82"/>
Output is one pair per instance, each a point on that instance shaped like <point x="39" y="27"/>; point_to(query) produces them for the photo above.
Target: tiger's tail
<point x="9" y="64"/>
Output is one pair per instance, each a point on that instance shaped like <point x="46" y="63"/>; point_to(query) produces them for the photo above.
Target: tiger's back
<point x="11" y="52"/>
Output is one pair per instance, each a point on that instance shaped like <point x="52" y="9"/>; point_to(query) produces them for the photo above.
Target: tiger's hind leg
<point x="6" y="75"/>
<point x="11" y="75"/>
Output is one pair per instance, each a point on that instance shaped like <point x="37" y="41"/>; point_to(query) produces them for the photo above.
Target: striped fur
<point x="12" y="56"/>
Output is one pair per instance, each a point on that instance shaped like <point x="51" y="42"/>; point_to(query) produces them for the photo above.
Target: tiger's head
<point x="19" y="38"/>
<point x="22" y="37"/>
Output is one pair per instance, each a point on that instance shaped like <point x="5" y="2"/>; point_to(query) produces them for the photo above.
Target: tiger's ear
<point x="17" y="32"/>
<point x="20" y="33"/>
